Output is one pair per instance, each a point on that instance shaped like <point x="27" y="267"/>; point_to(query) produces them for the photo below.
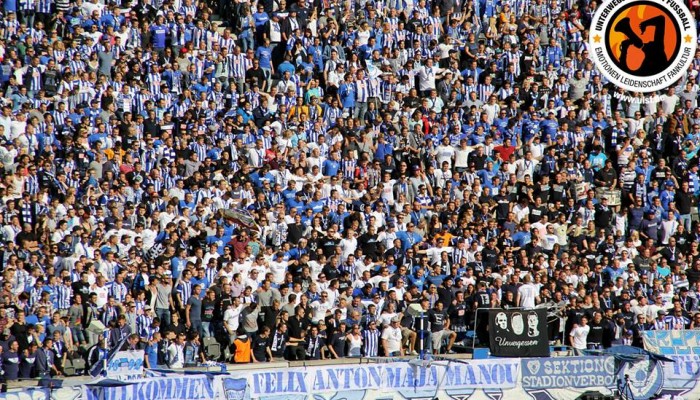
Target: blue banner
<point x="31" y="394"/>
<point x="493" y="374"/>
<point x="98" y="368"/>
<point x="126" y="365"/>
<point x="568" y="372"/>
<point x="672" y="342"/>
<point x="192" y="387"/>
<point x="235" y="389"/>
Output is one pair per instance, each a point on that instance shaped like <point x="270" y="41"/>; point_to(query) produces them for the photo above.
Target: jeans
<point x="27" y="17"/>
<point x="360" y="111"/>
<point x="206" y="329"/>
<point x="164" y="315"/>
<point x="196" y="326"/>
<point x="240" y="85"/>
<point x="78" y="335"/>
<point x="268" y="78"/>
<point x="686" y="221"/>
<point x="247" y="41"/>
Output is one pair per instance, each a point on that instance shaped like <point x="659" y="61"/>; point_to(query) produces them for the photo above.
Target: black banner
<point x="518" y="333"/>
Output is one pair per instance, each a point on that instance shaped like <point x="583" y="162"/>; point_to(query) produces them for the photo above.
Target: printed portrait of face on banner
<point x="502" y="321"/>
<point x="532" y="321"/>
<point x="517" y="322"/>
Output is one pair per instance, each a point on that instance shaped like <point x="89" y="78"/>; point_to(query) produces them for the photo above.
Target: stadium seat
<point x="212" y="348"/>
<point x="79" y="365"/>
<point x="68" y="369"/>
<point x="74" y="367"/>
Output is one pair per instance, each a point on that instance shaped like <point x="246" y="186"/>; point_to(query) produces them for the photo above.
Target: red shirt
<point x="505" y="152"/>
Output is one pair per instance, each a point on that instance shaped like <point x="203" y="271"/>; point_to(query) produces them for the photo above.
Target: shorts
<point x="405" y="333"/>
<point x="439" y="336"/>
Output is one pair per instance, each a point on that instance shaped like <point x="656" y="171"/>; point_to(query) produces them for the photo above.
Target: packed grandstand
<point x="311" y="180"/>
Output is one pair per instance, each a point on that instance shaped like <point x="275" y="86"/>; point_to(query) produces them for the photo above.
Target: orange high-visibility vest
<point x="243" y="353"/>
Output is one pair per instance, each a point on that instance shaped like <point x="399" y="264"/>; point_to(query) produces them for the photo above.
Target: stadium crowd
<point x="327" y="179"/>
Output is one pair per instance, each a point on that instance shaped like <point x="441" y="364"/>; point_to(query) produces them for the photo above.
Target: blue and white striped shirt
<point x="64" y="294"/>
<point x="370" y="342"/>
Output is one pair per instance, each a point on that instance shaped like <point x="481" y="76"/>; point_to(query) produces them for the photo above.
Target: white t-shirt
<point x="279" y="270"/>
<point x="527" y="293"/>
<point x="176" y="355"/>
<point x="444" y="153"/>
<point x="462" y="157"/>
<point x="579" y="335"/>
<point x="232" y="317"/>
<point x="393" y="339"/>
<point x="385" y="318"/>
<point x="348" y="245"/>
<point x="102" y="295"/>
<point x="319" y="310"/>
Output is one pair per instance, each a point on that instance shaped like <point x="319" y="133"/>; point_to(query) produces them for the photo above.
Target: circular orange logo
<point x="642" y="37"/>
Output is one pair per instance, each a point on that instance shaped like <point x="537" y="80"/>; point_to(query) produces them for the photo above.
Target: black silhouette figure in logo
<point x="655" y="59"/>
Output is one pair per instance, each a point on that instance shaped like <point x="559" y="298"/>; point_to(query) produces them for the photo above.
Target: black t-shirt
<point x="503" y="206"/>
<point x="296" y="326"/>
<point x="10" y="364"/>
<point x="82" y="288"/>
<point x="536" y="213"/>
<point x="27" y="365"/>
<point x="438" y="319"/>
<point x="490" y="256"/>
<point x="259" y="346"/>
<point x="483" y="299"/>
<point x="343" y="284"/>
<point x="629" y="317"/>
<point x="543" y="192"/>
<point x="458" y="315"/>
<point x="557" y="192"/>
<point x="595" y="335"/>
<point x="338" y="343"/>
<point x="223" y="303"/>
<point x="20" y="334"/>
<point x="574" y="317"/>
<point x="268" y="317"/>
<point x="422" y="322"/>
<point x="178" y="329"/>
<point x="208" y="307"/>
<point x="328" y="245"/>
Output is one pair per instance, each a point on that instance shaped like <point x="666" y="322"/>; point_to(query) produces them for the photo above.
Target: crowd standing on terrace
<point x="392" y="167"/>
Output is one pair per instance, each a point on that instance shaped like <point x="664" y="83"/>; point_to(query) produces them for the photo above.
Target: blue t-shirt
<point x="264" y="56"/>
<point x="260" y="20"/>
<point x="158" y="33"/>
<point x="152" y="355"/>
<point x="286" y="66"/>
<point x="330" y="167"/>
<point x="347" y="95"/>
